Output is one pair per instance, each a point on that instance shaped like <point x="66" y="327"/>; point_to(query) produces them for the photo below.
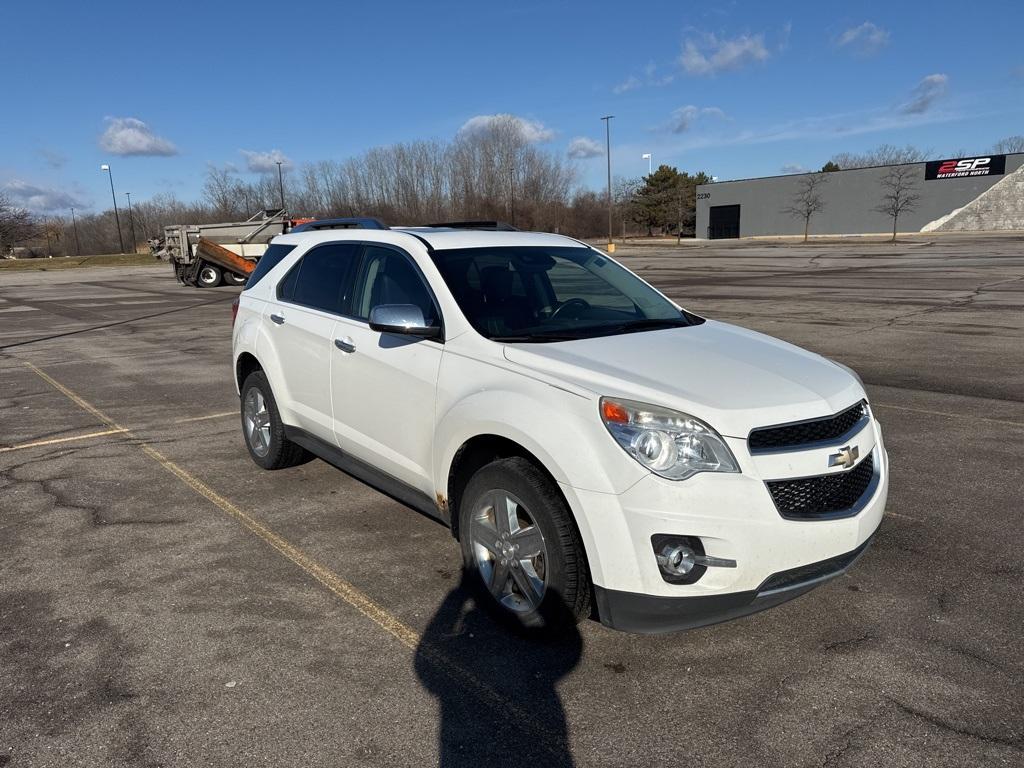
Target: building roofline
<point x="847" y="170"/>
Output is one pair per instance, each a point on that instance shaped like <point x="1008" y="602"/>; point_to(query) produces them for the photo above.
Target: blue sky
<point x="738" y="89"/>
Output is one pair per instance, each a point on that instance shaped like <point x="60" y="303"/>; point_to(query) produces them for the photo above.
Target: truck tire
<point x="230" y="278"/>
<point x="522" y="552"/>
<point x="209" y="276"/>
<point x="262" y="428"/>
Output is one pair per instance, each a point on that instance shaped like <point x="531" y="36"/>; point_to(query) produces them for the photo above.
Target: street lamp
<point x="78" y="243"/>
<point x="117" y="218"/>
<point x="131" y="220"/>
<point x="280" y="183"/>
<point x="608" y="153"/>
<point x="647" y="156"/>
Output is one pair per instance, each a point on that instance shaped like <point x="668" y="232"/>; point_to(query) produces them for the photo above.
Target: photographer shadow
<point x="496" y="687"/>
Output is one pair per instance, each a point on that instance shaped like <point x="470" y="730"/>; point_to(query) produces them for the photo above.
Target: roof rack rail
<point x="496" y="226"/>
<point x="350" y="223"/>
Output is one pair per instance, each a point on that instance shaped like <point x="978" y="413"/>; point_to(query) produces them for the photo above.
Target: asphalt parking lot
<point x="163" y="602"/>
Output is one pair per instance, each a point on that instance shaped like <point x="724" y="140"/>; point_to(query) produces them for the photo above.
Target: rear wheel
<point x="263" y="429"/>
<point x="209" y="276"/>
<point x="230" y="278"/>
<point x="521" y="547"/>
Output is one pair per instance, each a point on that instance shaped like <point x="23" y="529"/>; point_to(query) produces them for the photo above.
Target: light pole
<point x="117" y="218"/>
<point x="647" y="156"/>
<point x="74" y="224"/>
<point x="608" y="153"/>
<point x="131" y="220"/>
<point x="280" y="182"/>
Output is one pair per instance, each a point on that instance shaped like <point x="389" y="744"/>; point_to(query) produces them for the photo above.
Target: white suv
<point x="593" y="446"/>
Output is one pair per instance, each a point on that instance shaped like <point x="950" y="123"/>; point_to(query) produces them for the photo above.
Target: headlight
<point x="669" y="443"/>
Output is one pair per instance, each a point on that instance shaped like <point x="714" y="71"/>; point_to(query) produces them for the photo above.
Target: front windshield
<point x="536" y="294"/>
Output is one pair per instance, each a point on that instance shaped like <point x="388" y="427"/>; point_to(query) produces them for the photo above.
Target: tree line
<point x="491" y="173"/>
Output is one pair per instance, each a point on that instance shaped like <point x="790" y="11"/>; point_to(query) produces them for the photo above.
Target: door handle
<point x="279" y="319"/>
<point x="345" y="345"/>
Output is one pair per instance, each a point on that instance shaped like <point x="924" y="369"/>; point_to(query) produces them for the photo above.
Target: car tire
<point x="209" y="276"/>
<point x="231" y="278"/>
<point x="533" y="504"/>
<point x="262" y="428"/>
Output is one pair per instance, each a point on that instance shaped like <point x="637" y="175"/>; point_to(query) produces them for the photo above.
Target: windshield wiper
<point x="527" y="337"/>
<point x="648" y="324"/>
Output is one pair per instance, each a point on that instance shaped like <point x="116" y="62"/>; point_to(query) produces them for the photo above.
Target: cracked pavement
<point x="142" y="626"/>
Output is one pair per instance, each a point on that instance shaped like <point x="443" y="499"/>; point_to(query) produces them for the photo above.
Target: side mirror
<point x="405" y="319"/>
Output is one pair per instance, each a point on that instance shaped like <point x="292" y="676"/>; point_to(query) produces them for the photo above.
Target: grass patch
<point x="71" y="262"/>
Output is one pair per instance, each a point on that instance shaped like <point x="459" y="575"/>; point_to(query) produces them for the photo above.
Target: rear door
<point x="301" y="319"/>
<point x="384" y="384"/>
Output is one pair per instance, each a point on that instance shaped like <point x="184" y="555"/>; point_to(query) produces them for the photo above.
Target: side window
<point x="270" y="259"/>
<point x="388" y="277"/>
<point x="322" y="279"/>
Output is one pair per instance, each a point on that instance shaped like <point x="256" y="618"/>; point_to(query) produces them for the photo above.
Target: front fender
<point x="561" y="429"/>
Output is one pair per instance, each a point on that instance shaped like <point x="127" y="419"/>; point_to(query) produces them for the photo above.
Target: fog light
<point x="676" y="559"/>
<point x="682" y="560"/>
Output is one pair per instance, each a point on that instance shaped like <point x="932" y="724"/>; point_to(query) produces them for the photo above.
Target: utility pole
<point x="608" y="153"/>
<point x="647" y="156"/>
<point x="512" y="192"/>
<point x="131" y="220"/>
<point x="280" y="182"/>
<point x="74" y="224"/>
<point x="117" y="218"/>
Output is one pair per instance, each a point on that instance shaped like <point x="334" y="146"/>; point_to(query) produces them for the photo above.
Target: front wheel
<point x="521" y="548"/>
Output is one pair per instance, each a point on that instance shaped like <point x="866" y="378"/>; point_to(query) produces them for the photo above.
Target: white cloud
<point x="925" y="94"/>
<point x="630" y="83"/>
<point x="865" y="39"/>
<point x="790" y="168"/>
<point x="682" y="119"/>
<point x="127" y="136"/>
<point x="263" y="162"/>
<point x="531" y="131"/>
<point x="41" y="199"/>
<point x="582" y="148"/>
<point x="713" y="54"/>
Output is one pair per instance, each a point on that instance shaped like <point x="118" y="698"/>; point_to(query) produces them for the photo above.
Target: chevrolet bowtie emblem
<point x="846" y="457"/>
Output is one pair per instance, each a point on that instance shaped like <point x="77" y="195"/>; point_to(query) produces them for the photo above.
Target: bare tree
<point x="1008" y="145"/>
<point x="884" y="154"/>
<point x="899" y="196"/>
<point x="16" y="225"/>
<point x="807" y="200"/>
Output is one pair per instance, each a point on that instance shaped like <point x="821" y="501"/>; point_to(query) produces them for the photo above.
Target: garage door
<point x="724" y="221"/>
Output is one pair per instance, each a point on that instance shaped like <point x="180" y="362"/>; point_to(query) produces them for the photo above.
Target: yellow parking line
<point x="39" y="443"/>
<point x="949" y="415"/>
<point x="206" y="418"/>
<point x="351" y="595"/>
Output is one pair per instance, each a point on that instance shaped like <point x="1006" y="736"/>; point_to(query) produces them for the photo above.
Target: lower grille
<point x="825" y="496"/>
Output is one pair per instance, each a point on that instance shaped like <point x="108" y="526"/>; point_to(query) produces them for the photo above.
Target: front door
<point x="384" y="384"/>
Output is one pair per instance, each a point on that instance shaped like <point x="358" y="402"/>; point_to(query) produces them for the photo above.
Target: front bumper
<point x="650" y="614"/>
<point x="735" y="518"/>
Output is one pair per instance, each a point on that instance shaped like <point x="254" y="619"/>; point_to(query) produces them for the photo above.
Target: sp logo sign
<point x="965" y="167"/>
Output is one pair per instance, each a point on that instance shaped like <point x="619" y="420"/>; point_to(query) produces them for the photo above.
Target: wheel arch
<point x="244" y="365"/>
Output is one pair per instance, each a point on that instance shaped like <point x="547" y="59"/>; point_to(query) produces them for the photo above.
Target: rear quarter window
<point x="270" y="259"/>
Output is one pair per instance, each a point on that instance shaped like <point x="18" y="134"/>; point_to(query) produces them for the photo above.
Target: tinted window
<point x="270" y="259"/>
<point x="322" y="278"/>
<point x="388" y="277"/>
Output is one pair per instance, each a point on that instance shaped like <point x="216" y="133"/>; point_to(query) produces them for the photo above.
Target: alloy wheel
<point x="257" y="422"/>
<point x="510" y="553"/>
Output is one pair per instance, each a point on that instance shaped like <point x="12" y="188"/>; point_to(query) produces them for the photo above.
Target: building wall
<point x="849" y="198"/>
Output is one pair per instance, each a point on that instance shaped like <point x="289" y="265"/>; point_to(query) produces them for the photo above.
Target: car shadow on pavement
<point x="496" y="686"/>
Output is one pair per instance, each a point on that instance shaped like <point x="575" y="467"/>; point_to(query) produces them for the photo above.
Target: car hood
<point x="731" y="378"/>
